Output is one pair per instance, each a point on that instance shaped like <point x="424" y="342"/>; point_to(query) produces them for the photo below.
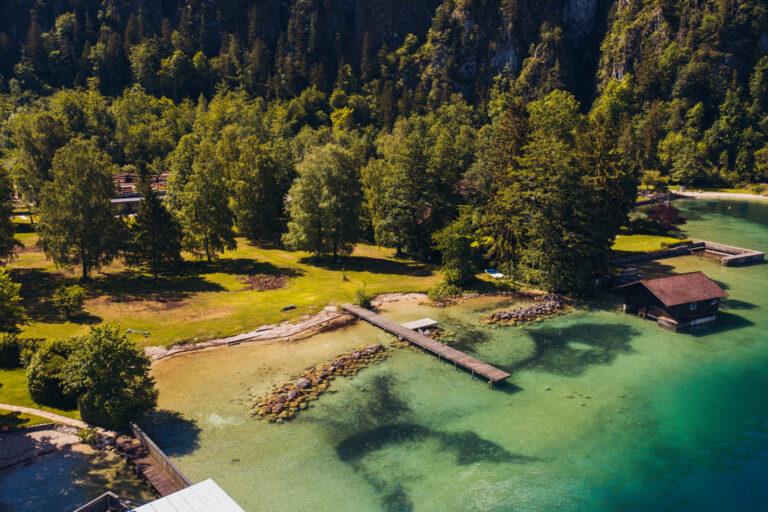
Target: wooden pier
<point x="442" y="351"/>
<point x="146" y="465"/>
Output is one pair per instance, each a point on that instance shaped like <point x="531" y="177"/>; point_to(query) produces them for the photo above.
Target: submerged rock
<point x="286" y="401"/>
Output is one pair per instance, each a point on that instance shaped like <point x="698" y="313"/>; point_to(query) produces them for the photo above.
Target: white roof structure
<point x="205" y="496"/>
<point x="424" y="323"/>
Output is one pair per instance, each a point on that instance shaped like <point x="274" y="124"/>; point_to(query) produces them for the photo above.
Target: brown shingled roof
<point x="683" y="288"/>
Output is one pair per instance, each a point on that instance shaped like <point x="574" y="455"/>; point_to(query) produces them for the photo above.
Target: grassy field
<point x="14" y="391"/>
<point x="643" y="243"/>
<point x="209" y="300"/>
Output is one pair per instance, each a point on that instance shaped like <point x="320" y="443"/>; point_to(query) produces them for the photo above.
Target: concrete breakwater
<point x="546" y="306"/>
<point x="285" y="401"/>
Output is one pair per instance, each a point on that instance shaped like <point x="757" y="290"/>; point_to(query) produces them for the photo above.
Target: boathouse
<point x="675" y="302"/>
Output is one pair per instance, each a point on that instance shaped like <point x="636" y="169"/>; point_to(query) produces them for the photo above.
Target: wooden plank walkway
<point x="139" y="456"/>
<point x="475" y="366"/>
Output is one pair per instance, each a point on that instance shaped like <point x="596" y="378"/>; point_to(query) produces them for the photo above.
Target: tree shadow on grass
<point x="175" y="434"/>
<point x="372" y="265"/>
<point x="132" y="286"/>
<point x="237" y="266"/>
<point x="13" y="419"/>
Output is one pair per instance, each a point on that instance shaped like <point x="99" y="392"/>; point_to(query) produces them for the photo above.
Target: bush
<point x="44" y="374"/>
<point x="69" y="300"/>
<point x="443" y="290"/>
<point x="109" y="374"/>
<point x="89" y="435"/>
<point x="10" y="351"/>
<point x="27" y="347"/>
<point x="362" y="298"/>
<point x="457" y="276"/>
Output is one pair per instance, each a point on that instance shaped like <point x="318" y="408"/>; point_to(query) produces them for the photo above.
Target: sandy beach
<point x="720" y="195"/>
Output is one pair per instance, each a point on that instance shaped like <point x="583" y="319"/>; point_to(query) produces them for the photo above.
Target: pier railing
<point x="107" y="502"/>
<point x="161" y="458"/>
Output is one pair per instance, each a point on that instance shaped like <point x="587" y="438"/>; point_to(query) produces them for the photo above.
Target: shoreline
<point x="330" y="317"/>
<point x="719" y="195"/>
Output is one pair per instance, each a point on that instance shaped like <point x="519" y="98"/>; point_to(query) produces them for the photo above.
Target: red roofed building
<point x="675" y="302"/>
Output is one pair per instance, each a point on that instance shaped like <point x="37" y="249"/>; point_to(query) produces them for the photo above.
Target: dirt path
<point x="47" y="415"/>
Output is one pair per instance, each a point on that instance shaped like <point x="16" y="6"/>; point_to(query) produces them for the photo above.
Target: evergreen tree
<point x="325" y="203"/>
<point x="154" y="237"/>
<point x="7" y="242"/>
<point x="12" y="312"/>
<point x="78" y="225"/>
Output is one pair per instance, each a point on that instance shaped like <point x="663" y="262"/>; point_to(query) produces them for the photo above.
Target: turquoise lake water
<point x="603" y="412"/>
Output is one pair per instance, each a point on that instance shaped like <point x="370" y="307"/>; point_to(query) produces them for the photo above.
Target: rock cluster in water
<point x="285" y="401"/>
<point x="548" y="305"/>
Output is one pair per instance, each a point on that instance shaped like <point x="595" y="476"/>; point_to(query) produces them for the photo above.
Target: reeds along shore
<point x="284" y="402"/>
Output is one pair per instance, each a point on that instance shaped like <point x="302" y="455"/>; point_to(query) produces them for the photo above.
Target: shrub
<point x="44" y="374"/>
<point x="27" y="347"/>
<point x="69" y="300"/>
<point x="362" y="298"/>
<point x="457" y="276"/>
<point x="10" y="351"/>
<point x="666" y="216"/>
<point x="88" y="435"/>
<point x="442" y="290"/>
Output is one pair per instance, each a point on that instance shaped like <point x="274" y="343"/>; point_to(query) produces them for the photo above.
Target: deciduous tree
<point x="325" y="203"/>
<point x="78" y="224"/>
<point x="109" y="375"/>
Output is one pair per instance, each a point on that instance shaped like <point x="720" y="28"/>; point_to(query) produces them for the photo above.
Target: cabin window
<point x="714" y="302"/>
<point x="694" y="305"/>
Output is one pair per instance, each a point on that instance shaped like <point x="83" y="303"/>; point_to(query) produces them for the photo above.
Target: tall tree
<point x="35" y="138"/>
<point x="256" y="191"/>
<point x="205" y="216"/>
<point x="109" y="374"/>
<point x="325" y="203"/>
<point x="7" y="242"/>
<point x="155" y="237"/>
<point x="12" y="312"/>
<point x="78" y="226"/>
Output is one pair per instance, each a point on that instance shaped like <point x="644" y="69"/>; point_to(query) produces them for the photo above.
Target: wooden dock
<point x="442" y="351"/>
<point x="158" y="478"/>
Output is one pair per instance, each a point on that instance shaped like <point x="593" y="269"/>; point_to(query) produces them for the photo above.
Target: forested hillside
<point x="503" y="132"/>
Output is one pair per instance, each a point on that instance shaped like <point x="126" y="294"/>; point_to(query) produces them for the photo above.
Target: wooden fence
<point x="157" y="454"/>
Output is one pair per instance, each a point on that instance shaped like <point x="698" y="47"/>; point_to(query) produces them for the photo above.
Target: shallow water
<point x="603" y="411"/>
<point x="67" y="479"/>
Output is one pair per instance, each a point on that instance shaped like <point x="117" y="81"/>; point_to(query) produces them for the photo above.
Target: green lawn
<point x="209" y="300"/>
<point x="14" y="391"/>
<point x="643" y="243"/>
